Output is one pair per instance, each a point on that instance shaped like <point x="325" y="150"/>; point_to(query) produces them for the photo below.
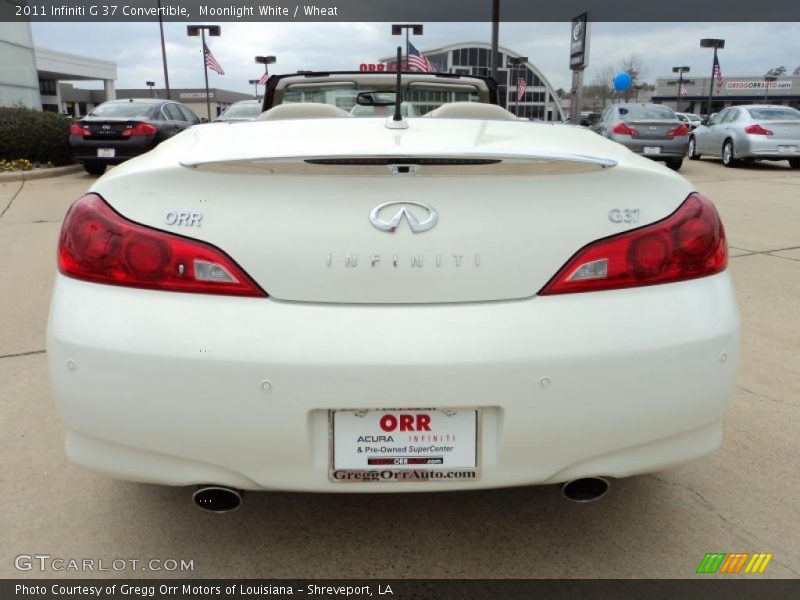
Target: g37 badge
<point x="623" y="215"/>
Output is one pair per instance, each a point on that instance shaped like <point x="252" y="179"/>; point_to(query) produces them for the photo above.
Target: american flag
<point x="211" y="62"/>
<point x="522" y="85"/>
<point x="418" y="61"/>
<point x="263" y="79"/>
<point x="684" y="90"/>
<point x="717" y="73"/>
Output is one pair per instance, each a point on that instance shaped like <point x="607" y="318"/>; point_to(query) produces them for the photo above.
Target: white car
<point x="321" y="303"/>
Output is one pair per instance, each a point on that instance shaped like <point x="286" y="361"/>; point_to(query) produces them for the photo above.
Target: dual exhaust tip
<point x="585" y="489"/>
<point x="220" y="499"/>
<point x="217" y="498"/>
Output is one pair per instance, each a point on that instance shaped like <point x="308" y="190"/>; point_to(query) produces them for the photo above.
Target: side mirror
<point x="203" y="120"/>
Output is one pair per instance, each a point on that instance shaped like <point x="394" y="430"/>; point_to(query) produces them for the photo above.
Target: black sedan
<point x="118" y="130"/>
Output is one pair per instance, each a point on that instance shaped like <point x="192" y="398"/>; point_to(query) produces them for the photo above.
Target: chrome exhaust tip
<point x="585" y="489"/>
<point x="216" y="498"/>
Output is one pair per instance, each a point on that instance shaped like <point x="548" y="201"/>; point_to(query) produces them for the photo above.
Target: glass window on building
<point x="47" y="87"/>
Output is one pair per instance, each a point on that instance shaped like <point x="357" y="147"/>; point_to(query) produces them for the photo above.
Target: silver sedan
<point x="751" y="132"/>
<point x="649" y="129"/>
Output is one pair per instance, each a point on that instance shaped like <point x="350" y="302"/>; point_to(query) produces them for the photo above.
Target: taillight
<point x="757" y="130"/>
<point x="97" y="244"/>
<point x="690" y="243"/>
<point x="78" y="129"/>
<point x="680" y="130"/>
<point x="140" y="129"/>
<point x="623" y="129"/>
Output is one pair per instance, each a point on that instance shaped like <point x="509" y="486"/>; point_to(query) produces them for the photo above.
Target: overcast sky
<point x="751" y="49"/>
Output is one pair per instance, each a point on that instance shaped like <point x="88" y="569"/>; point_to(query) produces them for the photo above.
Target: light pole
<point x="767" y="80"/>
<point x="515" y="62"/>
<point x="163" y="52"/>
<point x="398" y="28"/>
<point x="716" y="44"/>
<point x="214" y="31"/>
<point x="495" y="39"/>
<point x="680" y="71"/>
<point x="151" y="84"/>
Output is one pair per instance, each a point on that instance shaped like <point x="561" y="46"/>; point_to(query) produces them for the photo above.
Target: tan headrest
<point x="300" y="110"/>
<point x="472" y="110"/>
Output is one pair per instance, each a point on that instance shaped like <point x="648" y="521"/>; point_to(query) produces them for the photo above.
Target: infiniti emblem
<point x="411" y="211"/>
<point x="106" y="126"/>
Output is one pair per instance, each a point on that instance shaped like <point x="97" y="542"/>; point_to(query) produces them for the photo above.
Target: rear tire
<point x="94" y="168"/>
<point x="693" y="153"/>
<point x="727" y="154"/>
<point x="675" y="163"/>
<point x="795" y="163"/>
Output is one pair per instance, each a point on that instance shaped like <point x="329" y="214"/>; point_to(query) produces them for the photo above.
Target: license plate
<point x="787" y="149"/>
<point x="105" y="152"/>
<point x="652" y="149"/>
<point x="404" y="445"/>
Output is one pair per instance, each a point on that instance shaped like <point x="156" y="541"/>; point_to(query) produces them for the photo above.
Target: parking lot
<point x="744" y="498"/>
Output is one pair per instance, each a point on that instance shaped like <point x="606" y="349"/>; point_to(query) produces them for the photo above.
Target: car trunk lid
<point x="436" y="218"/>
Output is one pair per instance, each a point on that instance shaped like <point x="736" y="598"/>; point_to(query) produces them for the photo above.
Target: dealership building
<point x="30" y="76"/>
<point x="540" y="100"/>
<point x="734" y="90"/>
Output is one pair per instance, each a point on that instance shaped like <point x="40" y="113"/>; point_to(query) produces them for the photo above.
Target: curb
<point x="38" y="173"/>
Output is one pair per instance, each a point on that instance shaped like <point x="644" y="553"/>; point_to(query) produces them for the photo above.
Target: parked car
<point x="589" y="119"/>
<point x="118" y="130"/>
<point x="244" y="110"/>
<point x="455" y="301"/>
<point x="648" y="129"/>
<point x="750" y="132"/>
<point x="692" y="120"/>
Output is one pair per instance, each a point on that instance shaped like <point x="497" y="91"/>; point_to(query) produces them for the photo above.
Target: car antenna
<point x="397" y="121"/>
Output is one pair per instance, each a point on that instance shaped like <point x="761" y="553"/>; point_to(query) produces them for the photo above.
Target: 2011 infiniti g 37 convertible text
<point x="317" y="302"/>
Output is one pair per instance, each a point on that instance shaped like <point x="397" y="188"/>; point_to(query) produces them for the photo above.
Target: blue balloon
<point x="622" y="81"/>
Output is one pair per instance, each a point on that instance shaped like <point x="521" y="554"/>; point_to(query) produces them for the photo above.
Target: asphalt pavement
<point x="744" y="498"/>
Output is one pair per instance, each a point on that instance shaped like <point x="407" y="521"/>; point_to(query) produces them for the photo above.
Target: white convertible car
<point x="463" y="300"/>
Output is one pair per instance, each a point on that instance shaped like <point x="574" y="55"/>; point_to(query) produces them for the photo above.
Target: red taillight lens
<point x="78" y="129"/>
<point x="680" y="130"/>
<point x="623" y="129"/>
<point x="690" y="243"/>
<point x="97" y="244"/>
<point x="140" y="129"/>
<point x="757" y="130"/>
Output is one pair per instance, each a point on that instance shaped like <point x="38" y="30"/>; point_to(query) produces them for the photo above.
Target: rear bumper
<point x="167" y="387"/>
<point x="669" y="149"/>
<point x="84" y="150"/>
<point x="763" y="147"/>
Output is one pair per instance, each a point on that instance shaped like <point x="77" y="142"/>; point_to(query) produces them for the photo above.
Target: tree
<point x="633" y="66"/>
<point x="601" y="90"/>
<point x="796" y="71"/>
<point x="777" y="71"/>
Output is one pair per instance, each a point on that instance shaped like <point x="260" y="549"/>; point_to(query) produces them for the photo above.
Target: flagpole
<point x="711" y="84"/>
<point x="680" y="86"/>
<point x="407" y="67"/>
<point x="205" y="72"/>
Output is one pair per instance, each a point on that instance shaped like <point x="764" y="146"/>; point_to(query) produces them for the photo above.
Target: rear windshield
<point x="775" y="114"/>
<point x="420" y="100"/>
<point x="646" y="112"/>
<point x="122" y="110"/>
<point x="249" y="110"/>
